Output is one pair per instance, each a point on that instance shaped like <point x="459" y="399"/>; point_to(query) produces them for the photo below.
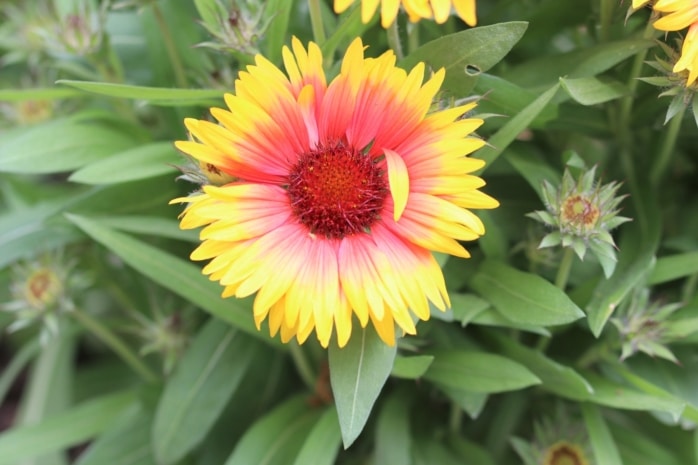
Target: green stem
<point x="563" y="271"/>
<point x="661" y="161"/>
<point x="455" y="418"/>
<point x="607" y="7"/>
<point x="394" y="40"/>
<point x="316" y="21"/>
<point x="302" y="365"/>
<point x="412" y="36"/>
<point x="105" y="335"/>
<point x="625" y="140"/>
<point x="177" y="67"/>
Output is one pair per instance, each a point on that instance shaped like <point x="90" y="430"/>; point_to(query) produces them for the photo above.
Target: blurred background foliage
<point x="116" y="350"/>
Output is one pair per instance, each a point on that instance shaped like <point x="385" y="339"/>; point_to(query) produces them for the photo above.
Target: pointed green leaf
<point x="674" y="267"/>
<point x="592" y="91"/>
<point x="619" y="396"/>
<point x="411" y="367"/>
<point x="59" y="146"/>
<point x="602" y="443"/>
<point x="85" y="421"/>
<point x="146" y="161"/>
<point x="609" y="292"/>
<point x="155" y="94"/>
<point x="508" y="133"/>
<point x="555" y="377"/>
<point x="204" y="380"/>
<point x="471" y="402"/>
<point x="466" y="54"/>
<point x="478" y="372"/>
<point x="49" y="93"/>
<point x="467" y="307"/>
<point x="173" y="273"/>
<point x="357" y="373"/>
<point x="393" y="437"/>
<point x="322" y="445"/>
<point x="127" y="442"/>
<point x="149" y="225"/>
<point x="276" y="436"/>
<point x="523" y="297"/>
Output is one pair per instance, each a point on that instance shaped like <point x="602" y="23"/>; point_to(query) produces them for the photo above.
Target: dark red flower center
<point x="336" y="190"/>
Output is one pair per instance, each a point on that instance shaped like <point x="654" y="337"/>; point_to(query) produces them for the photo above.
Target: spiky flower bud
<point x="582" y="212"/>
<point x="41" y="291"/>
<point x="648" y="327"/>
<point x="237" y="27"/>
<point x="676" y="84"/>
<point x="557" y="440"/>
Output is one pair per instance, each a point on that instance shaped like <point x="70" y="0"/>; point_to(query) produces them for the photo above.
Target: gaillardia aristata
<point x="341" y="193"/>
<point x="439" y="10"/>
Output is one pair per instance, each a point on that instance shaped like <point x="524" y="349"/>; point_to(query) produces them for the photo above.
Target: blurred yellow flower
<point x="439" y="10"/>
<point x="689" y="55"/>
<point x="676" y="14"/>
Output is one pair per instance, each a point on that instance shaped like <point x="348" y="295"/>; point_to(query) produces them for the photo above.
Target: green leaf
<point x="411" y="367"/>
<point x="175" y="274"/>
<point x="430" y="452"/>
<point x="610" y="292"/>
<point x="357" y="374"/>
<point x="278" y="12"/>
<point x="605" y="450"/>
<point x="156" y="95"/>
<point x="127" y="442"/>
<point x="471" y="402"/>
<point x="322" y="444"/>
<point x="619" y="396"/>
<point x="149" y="225"/>
<point x="533" y="167"/>
<point x="508" y="99"/>
<point x="63" y="430"/>
<point x="146" y="161"/>
<point x="467" y="53"/>
<point x="674" y="267"/>
<point x="49" y="93"/>
<point x="556" y="378"/>
<point x="478" y="372"/>
<point x="508" y="133"/>
<point x="276" y="436"/>
<point x="592" y="91"/>
<point x="466" y="307"/>
<point x="204" y="380"/>
<point x="393" y="437"/>
<point x="523" y="297"/>
<point x="14" y="368"/>
<point x="59" y="146"/>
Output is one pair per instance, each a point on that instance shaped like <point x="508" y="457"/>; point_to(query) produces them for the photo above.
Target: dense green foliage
<point x="133" y="358"/>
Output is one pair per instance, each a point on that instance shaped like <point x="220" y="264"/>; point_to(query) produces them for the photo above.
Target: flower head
<point x="236" y="27"/>
<point x="557" y="440"/>
<point x="439" y="10"/>
<point x="650" y="326"/>
<point x="342" y="191"/>
<point x="582" y="213"/>
<point x="42" y="292"/>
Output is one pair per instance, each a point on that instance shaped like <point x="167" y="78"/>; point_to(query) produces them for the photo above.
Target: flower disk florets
<point x="336" y="191"/>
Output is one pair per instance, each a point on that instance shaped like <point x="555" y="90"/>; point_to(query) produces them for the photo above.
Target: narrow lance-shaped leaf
<point x="478" y="372"/>
<point x="204" y="380"/>
<point x="466" y="54"/>
<point x="605" y="450"/>
<point x="524" y="297"/>
<point x="357" y="373"/>
<point x="179" y="276"/>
